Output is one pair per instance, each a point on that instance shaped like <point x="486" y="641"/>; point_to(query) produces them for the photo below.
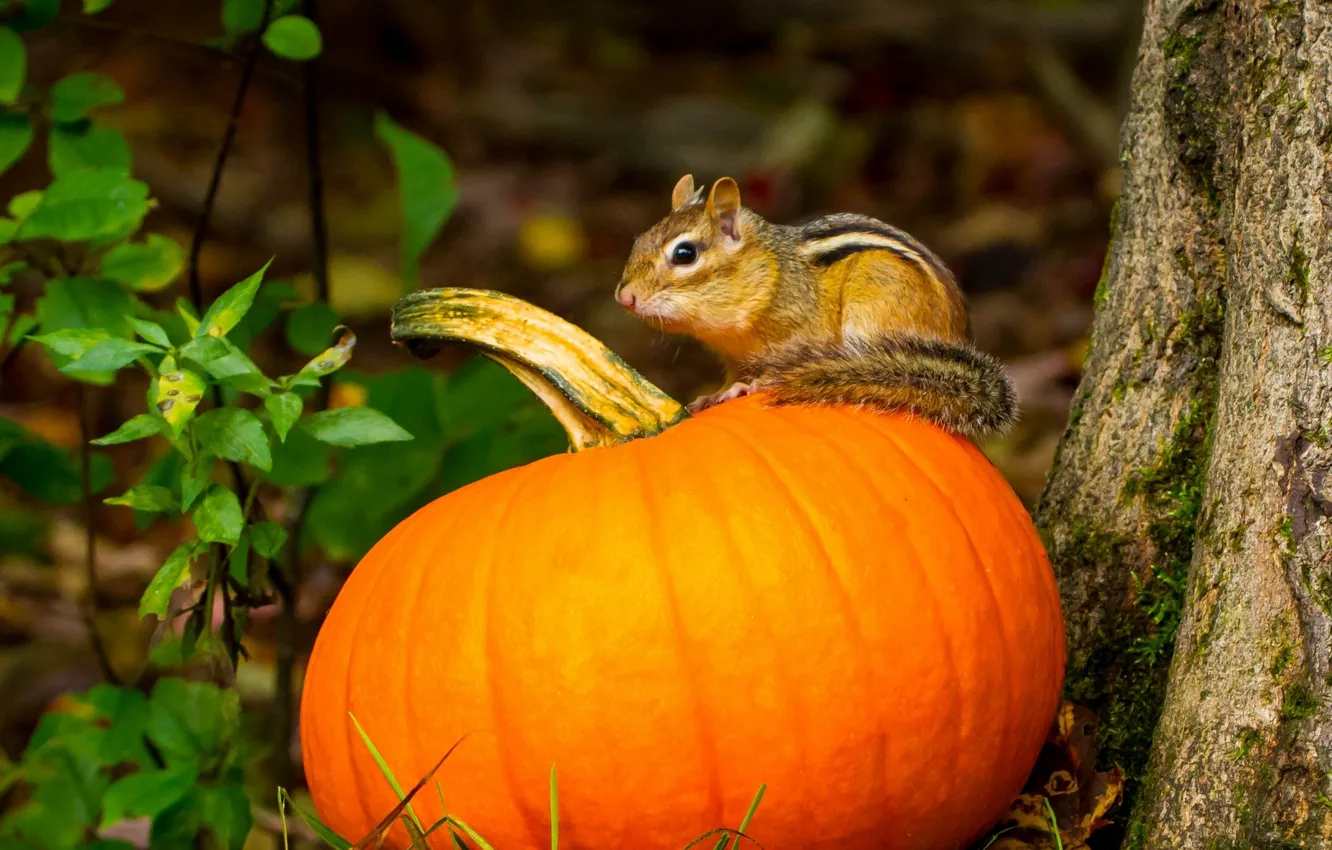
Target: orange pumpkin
<point x="852" y="608"/>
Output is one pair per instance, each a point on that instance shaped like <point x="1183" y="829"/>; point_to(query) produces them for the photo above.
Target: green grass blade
<point x="471" y="833"/>
<point x="384" y="768"/>
<point x="282" y="813"/>
<point x="749" y="816"/>
<point x="753" y="806"/>
<point x="995" y="837"/>
<point x="1054" y="824"/>
<point x="328" y="836"/>
<point x="554" y="811"/>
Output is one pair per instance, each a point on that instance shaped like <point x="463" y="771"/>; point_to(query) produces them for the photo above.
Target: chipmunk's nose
<point x="627" y="298"/>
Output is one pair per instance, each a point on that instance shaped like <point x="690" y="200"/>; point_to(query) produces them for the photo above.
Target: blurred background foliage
<point x="986" y="128"/>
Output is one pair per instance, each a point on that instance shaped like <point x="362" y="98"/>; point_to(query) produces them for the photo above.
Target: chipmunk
<point x="841" y="310"/>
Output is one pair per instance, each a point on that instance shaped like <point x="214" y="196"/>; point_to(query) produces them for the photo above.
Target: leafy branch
<point x="149" y="744"/>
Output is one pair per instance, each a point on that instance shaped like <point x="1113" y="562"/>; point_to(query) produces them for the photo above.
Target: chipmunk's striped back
<point x="895" y="280"/>
<point x="833" y="238"/>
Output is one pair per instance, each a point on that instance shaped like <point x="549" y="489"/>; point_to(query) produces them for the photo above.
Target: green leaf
<point x="300" y="461"/>
<point x="110" y="355"/>
<point x="170" y="576"/>
<point x="141" y="426"/>
<point x="73" y="96"/>
<point x="294" y="37"/>
<point x="9" y="271"/>
<point x="84" y="304"/>
<point x="77" y="303"/>
<point x="233" y="433"/>
<point x="194" y="479"/>
<point x="283" y="411"/>
<point x="67" y="786"/>
<point x="192" y="722"/>
<point x="83" y="145"/>
<point x="227" y="364"/>
<point x="85" y="205"/>
<point x="16" y="134"/>
<point x="187" y="315"/>
<point x="34" y="14"/>
<point x="13" y="66"/>
<point x="22" y="325"/>
<point x="77" y="735"/>
<point x="242" y="16"/>
<point x="21" y="205"/>
<point x="226" y="810"/>
<point x="179" y="824"/>
<point x="341" y="519"/>
<point x="146" y="793"/>
<point x="92" y="7"/>
<point x="146" y="266"/>
<point x="354" y="426"/>
<point x="268" y="305"/>
<point x="123" y="713"/>
<point x="231" y="306"/>
<point x="45" y="471"/>
<point x="148" y="498"/>
<point x="72" y="342"/>
<point x="427" y="187"/>
<point x="165" y="472"/>
<point x="268" y="537"/>
<point x="152" y="332"/>
<point x="309" y="328"/>
<point x="238" y="562"/>
<point x="179" y="392"/>
<point x="218" y="519"/>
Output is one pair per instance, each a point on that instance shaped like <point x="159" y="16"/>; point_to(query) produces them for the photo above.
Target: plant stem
<point x="229" y="638"/>
<point x="89" y="602"/>
<point x="594" y="394"/>
<point x="223" y="152"/>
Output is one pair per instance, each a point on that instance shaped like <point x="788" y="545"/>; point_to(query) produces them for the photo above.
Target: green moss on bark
<point x="1194" y="112"/>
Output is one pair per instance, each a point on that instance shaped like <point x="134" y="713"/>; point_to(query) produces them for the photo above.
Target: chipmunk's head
<point x="701" y="269"/>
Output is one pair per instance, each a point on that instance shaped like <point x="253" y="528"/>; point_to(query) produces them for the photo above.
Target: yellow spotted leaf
<point x="179" y="392"/>
<point x="332" y="359"/>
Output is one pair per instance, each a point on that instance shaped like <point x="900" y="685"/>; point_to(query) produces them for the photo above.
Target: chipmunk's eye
<point x="684" y="254"/>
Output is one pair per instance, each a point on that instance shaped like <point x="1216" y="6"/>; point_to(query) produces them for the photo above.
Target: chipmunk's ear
<point x="683" y="194"/>
<point x="724" y="204"/>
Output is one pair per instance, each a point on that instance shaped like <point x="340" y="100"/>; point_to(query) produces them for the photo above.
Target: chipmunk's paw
<point x="735" y="390"/>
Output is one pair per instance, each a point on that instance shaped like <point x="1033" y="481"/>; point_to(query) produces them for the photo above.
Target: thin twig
<point x="219" y="52"/>
<point x="224" y="150"/>
<point x="89" y="603"/>
<point x="287" y="577"/>
<point x="229" y="638"/>
<point x="86" y="22"/>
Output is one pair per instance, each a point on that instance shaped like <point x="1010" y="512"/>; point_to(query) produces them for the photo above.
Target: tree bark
<point x="1189" y="510"/>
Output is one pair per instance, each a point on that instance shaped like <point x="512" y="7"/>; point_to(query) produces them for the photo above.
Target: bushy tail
<point x="950" y="384"/>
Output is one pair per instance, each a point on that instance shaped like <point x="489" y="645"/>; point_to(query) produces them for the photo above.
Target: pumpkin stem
<point x="594" y="394"/>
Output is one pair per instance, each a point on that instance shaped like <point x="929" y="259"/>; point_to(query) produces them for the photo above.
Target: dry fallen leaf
<point x="1066" y="782"/>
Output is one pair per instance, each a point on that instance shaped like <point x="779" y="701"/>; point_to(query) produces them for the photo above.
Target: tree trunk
<point x="1187" y="514"/>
